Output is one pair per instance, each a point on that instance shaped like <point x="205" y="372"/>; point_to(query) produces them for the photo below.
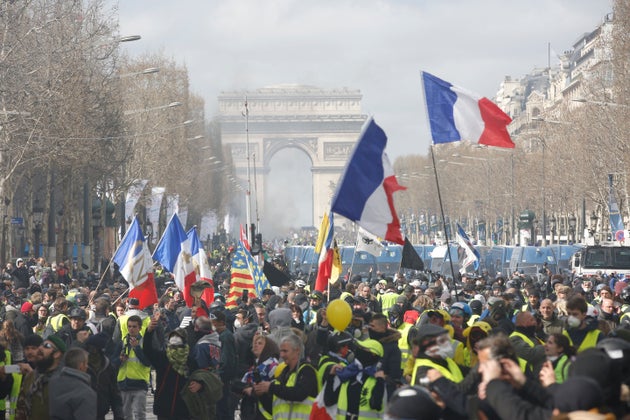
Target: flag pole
<point x="448" y="245"/>
<point x="109" y="263"/>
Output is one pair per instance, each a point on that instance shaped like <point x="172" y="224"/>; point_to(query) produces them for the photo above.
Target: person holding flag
<point x="135" y="265"/>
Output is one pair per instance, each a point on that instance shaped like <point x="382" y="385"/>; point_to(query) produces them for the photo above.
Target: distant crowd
<point x="74" y="346"/>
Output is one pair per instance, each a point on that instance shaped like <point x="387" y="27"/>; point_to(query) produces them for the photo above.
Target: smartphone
<point x="245" y="296"/>
<point x="12" y="369"/>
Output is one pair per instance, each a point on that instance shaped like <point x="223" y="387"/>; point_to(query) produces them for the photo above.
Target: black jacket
<point x="103" y="379"/>
<point x="169" y="384"/>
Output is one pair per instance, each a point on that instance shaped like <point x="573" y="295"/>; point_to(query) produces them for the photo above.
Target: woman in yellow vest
<point x="359" y="392"/>
<point x="295" y="388"/>
<point x="559" y="351"/>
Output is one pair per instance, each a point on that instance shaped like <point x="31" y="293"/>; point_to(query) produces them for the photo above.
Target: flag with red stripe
<point x="135" y="265"/>
<point x="173" y="252"/>
<point x="246" y="275"/>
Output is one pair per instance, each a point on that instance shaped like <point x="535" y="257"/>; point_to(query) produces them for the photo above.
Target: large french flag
<point x="200" y="263"/>
<point x="457" y="114"/>
<point x="173" y="252"/>
<point x="365" y="192"/>
<point x="135" y="265"/>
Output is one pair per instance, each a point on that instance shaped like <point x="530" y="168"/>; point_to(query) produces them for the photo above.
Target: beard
<point x="44" y="363"/>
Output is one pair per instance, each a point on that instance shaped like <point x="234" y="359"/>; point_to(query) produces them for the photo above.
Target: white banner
<point x="209" y="225"/>
<point x="157" y="193"/>
<point x="133" y="195"/>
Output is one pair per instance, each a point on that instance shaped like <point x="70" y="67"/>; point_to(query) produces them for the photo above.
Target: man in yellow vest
<point x="295" y="388"/>
<point x="581" y="330"/>
<point x="359" y="388"/>
<point x="433" y="348"/>
<point x="527" y="346"/>
<point x="133" y="370"/>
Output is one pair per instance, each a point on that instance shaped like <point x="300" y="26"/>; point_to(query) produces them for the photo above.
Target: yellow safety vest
<point x="133" y="367"/>
<point x="562" y="369"/>
<point x="365" y="412"/>
<point x="324" y="362"/>
<point x="453" y="372"/>
<point x="403" y="344"/>
<point x="283" y="409"/>
<point x="122" y="322"/>
<point x="590" y="340"/>
<point x="524" y="338"/>
<point x="474" y="318"/>
<point x="56" y="322"/>
<point x="388" y="300"/>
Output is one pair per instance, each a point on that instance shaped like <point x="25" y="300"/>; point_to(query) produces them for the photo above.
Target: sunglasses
<point x="49" y="346"/>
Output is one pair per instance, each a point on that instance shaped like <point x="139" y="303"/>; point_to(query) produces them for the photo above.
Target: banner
<point x="133" y="195"/>
<point x="157" y="193"/>
<point x="172" y="205"/>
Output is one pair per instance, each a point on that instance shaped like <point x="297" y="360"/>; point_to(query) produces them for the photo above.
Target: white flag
<point x="369" y="243"/>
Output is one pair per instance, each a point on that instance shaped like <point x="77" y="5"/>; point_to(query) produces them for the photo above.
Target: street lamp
<point x="148" y="230"/>
<point x="593" y="229"/>
<point x="572" y="225"/>
<point x="38" y="223"/>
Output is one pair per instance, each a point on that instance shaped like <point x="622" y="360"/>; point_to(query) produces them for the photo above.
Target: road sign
<point x="17" y="220"/>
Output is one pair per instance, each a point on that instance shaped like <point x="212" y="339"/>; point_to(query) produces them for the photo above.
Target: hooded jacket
<point x="391" y="357"/>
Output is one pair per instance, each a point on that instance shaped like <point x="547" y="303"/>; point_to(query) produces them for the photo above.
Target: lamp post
<point x="593" y="228"/>
<point x="572" y="225"/>
<point x="38" y="223"/>
<point x="553" y="223"/>
<point x="7" y="201"/>
<point x="97" y="224"/>
<point x="148" y="230"/>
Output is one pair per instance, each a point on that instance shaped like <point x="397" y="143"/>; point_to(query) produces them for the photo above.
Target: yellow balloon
<point x="339" y="314"/>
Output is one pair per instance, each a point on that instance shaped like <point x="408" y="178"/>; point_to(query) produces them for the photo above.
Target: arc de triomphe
<point x="322" y="123"/>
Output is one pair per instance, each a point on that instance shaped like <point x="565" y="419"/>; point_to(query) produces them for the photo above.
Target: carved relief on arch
<point x="308" y="145"/>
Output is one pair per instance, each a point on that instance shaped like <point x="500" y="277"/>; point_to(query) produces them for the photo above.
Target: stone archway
<point x="323" y="123"/>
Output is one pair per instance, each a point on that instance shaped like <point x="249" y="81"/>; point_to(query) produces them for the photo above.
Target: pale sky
<point x="376" y="46"/>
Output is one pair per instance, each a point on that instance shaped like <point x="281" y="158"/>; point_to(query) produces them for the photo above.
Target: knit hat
<point x="412" y="402"/>
<point x="26" y="307"/>
<point x="578" y="393"/>
<point x="58" y="342"/>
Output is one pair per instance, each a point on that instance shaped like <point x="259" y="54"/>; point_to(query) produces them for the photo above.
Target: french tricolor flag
<point x="173" y="252"/>
<point x="457" y="114"/>
<point x="365" y="192"/>
<point x="135" y="265"/>
<point x="200" y="263"/>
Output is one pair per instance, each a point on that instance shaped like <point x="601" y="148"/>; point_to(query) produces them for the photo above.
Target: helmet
<point x="625" y="294"/>
<point x="77" y="313"/>
<point x="337" y="341"/>
<point x="463" y="306"/>
<point x="372" y="346"/>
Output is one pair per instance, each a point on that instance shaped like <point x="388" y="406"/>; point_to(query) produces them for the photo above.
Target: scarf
<point x="355" y="370"/>
<point x="178" y="358"/>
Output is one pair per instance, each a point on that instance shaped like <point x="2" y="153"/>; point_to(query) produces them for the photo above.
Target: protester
<point x="71" y="396"/>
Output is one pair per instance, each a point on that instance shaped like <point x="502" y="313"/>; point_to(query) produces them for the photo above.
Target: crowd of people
<point x="416" y="347"/>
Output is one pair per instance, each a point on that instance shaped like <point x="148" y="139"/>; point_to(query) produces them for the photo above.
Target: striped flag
<point x="173" y="252"/>
<point x="246" y="275"/>
<point x="135" y="265"/>
<point x="200" y="262"/>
